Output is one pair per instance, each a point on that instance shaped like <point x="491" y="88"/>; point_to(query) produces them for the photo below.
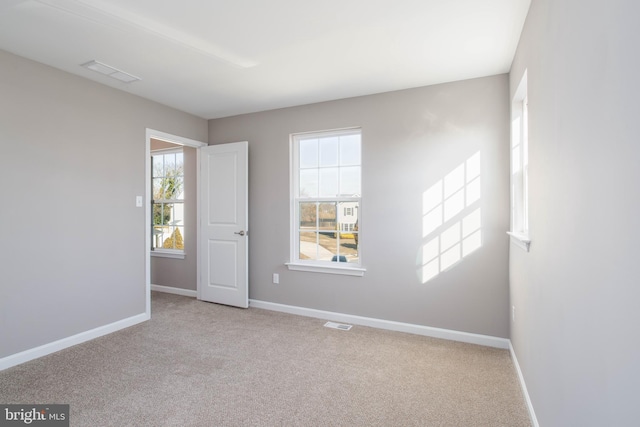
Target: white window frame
<point x="316" y="266"/>
<point x="163" y="252"/>
<point x="520" y="167"/>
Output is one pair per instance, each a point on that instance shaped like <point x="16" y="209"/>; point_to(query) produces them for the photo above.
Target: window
<point x="520" y="166"/>
<point x="167" y="177"/>
<point x="326" y="202"/>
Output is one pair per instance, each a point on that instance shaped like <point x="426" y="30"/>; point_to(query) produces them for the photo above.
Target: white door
<point x="223" y="275"/>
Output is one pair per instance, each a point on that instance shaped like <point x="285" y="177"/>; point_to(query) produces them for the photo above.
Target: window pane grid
<point x="327" y="197"/>
<point x="168" y="200"/>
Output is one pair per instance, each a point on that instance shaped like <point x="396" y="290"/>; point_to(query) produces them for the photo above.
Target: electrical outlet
<point x="276" y="278"/>
<point x="513" y="313"/>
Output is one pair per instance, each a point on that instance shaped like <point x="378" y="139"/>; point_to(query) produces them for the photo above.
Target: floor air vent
<point x="340" y="326"/>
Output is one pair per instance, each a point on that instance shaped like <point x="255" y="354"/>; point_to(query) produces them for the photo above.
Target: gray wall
<point x="71" y="163"/>
<point x="576" y="330"/>
<point x="181" y="273"/>
<point x="411" y="139"/>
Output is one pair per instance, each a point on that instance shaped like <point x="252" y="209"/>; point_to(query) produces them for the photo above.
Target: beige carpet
<point x="200" y="364"/>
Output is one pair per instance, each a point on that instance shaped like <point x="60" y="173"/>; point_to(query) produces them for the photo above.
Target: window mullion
<point x="169" y="201"/>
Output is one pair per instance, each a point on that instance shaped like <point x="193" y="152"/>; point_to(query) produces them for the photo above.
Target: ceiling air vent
<point x="110" y="71"/>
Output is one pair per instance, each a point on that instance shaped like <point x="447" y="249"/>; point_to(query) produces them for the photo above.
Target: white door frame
<point x="174" y="139"/>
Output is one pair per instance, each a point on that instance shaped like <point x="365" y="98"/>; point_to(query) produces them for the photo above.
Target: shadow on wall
<point x="451" y="219"/>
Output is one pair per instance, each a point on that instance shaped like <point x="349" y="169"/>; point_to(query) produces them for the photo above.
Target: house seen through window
<point x="168" y="200"/>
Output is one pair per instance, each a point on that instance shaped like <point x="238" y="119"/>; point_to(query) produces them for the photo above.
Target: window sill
<point x="521" y="240"/>
<point x="167" y="254"/>
<point x="346" y="271"/>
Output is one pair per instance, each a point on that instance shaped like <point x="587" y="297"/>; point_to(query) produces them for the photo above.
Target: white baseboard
<point x="428" y="331"/>
<point x="525" y="392"/>
<point x="43" y="350"/>
<point x="175" y="291"/>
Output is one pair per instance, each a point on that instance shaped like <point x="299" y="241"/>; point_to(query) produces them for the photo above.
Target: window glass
<point x="327" y="194"/>
<point x="168" y="200"/>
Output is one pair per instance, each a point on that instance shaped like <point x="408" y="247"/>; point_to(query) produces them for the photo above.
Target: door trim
<point x="178" y="140"/>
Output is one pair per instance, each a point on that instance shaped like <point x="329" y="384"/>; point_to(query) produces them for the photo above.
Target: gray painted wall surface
<point x="411" y="139"/>
<point x="576" y="330"/>
<point x="72" y="161"/>
<point x="182" y="273"/>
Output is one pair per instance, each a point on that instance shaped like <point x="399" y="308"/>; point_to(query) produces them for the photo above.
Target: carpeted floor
<point x="201" y="364"/>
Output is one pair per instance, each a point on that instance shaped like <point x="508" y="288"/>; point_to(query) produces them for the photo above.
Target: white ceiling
<point x="215" y="58"/>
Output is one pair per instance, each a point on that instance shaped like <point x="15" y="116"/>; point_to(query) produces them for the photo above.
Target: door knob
<point x="241" y="232"/>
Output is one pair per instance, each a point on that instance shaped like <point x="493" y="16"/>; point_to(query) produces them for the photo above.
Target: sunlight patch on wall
<point x="451" y="222"/>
